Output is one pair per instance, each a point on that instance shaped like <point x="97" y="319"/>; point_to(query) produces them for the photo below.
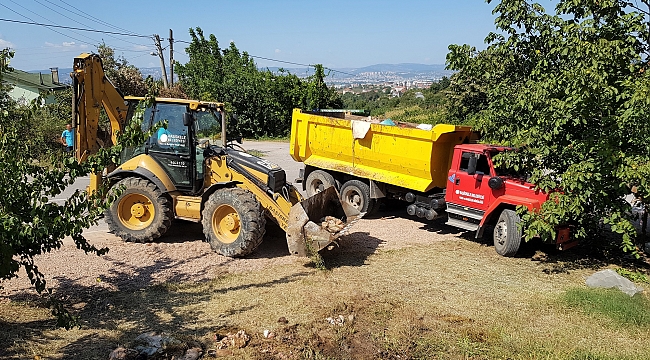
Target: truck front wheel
<point x="507" y="233"/>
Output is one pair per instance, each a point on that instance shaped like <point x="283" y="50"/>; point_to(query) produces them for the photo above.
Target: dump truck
<point x="177" y="175"/>
<point x="438" y="171"/>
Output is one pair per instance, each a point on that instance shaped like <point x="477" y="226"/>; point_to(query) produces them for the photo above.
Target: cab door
<point x="173" y="147"/>
<point x="470" y="191"/>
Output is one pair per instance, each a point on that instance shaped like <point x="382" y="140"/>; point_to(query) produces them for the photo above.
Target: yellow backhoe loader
<point x="174" y="176"/>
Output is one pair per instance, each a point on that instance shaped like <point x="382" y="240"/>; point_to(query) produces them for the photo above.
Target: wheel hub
<point x="138" y="210"/>
<point x="501" y="232"/>
<point x="226" y="223"/>
<point x="135" y="211"/>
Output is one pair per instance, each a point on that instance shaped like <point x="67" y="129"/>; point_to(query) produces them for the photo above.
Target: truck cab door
<point x="470" y="191"/>
<point x="173" y="148"/>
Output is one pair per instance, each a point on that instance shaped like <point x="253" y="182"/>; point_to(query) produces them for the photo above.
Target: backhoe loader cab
<point x="178" y="173"/>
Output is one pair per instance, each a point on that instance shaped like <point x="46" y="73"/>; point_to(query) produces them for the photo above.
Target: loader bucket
<point x="305" y="233"/>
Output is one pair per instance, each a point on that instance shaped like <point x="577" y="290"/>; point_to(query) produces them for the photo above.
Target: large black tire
<point x="507" y="234"/>
<point x="142" y="213"/>
<point x="357" y="194"/>
<point x="317" y="181"/>
<point x="233" y="222"/>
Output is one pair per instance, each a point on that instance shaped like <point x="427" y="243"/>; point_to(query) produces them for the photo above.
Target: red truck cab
<point x="478" y="196"/>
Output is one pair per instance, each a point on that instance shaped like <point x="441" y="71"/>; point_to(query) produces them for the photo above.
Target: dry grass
<point x="452" y="299"/>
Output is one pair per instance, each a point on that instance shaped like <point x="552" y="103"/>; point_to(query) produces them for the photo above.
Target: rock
<point x="223" y="352"/>
<point x="122" y="353"/>
<point x="192" y="354"/>
<point x="234" y="341"/>
<point x="283" y="320"/>
<point x="610" y="279"/>
<point x="266" y="333"/>
<point x="151" y="343"/>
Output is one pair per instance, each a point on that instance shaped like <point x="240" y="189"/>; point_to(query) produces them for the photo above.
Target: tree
<point x="30" y="223"/>
<point x="263" y="100"/>
<point x="570" y="90"/>
<point x="123" y="75"/>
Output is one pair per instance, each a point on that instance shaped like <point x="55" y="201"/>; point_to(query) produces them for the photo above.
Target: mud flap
<point x="304" y="234"/>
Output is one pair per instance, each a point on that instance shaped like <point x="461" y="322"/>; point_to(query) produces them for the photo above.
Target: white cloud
<point x="66" y="45"/>
<point x="277" y="51"/>
<point x="140" y="47"/>
<point x="6" y="44"/>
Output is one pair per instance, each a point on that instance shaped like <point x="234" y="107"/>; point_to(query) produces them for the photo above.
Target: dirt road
<point x="183" y="255"/>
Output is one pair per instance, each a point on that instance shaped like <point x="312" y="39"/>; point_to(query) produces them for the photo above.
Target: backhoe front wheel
<point x="141" y="213"/>
<point x="507" y="234"/>
<point x="233" y="222"/>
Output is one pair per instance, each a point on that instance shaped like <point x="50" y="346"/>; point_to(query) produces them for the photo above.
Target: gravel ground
<point x="183" y="255"/>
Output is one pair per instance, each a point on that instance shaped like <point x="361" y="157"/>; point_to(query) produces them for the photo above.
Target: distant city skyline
<point x="338" y="34"/>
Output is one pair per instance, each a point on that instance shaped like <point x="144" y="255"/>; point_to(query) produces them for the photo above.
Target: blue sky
<point x="338" y="34"/>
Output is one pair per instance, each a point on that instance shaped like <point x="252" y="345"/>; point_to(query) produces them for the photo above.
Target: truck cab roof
<point x="483" y="147"/>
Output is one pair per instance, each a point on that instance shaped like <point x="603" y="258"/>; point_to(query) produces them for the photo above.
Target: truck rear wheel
<point x="142" y="213"/>
<point x="233" y="222"/>
<point x="507" y="234"/>
<point x="357" y="194"/>
<point x="317" y="181"/>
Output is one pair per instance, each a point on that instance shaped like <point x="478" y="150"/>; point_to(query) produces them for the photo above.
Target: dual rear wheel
<point x="355" y="193"/>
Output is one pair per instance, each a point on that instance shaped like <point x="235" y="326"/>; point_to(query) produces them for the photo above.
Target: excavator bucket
<point x="316" y="222"/>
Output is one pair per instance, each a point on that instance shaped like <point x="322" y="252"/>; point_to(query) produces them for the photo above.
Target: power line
<point x="69" y="18"/>
<point x="35" y="23"/>
<point x="32" y="22"/>
<point x="92" y="18"/>
<point x="282" y="61"/>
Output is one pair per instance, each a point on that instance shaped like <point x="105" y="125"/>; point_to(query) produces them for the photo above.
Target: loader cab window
<point x="137" y="113"/>
<point x="208" y="125"/>
<point x="170" y="147"/>
<point x="174" y="139"/>
<point x="482" y="165"/>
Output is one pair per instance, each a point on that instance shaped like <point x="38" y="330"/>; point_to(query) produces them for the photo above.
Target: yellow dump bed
<point x="401" y="155"/>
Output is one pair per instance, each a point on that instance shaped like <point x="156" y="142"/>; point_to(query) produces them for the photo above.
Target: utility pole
<point x="171" y="57"/>
<point x="162" y="60"/>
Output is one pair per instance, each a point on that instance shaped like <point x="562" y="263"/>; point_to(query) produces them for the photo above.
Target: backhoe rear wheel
<point x="507" y="234"/>
<point x="142" y="213"/>
<point x="233" y="222"/>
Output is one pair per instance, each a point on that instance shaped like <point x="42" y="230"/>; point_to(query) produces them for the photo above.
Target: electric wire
<point x="32" y="22"/>
<point x="69" y="18"/>
<point x="41" y="16"/>
<point x="283" y="61"/>
<point x="92" y="18"/>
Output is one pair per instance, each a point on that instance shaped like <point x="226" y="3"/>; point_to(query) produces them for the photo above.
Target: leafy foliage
<point x="262" y="100"/>
<point x="123" y="75"/>
<point x="31" y="223"/>
<point x="570" y="89"/>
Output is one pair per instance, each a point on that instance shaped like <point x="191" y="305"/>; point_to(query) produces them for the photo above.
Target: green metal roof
<point x="42" y="81"/>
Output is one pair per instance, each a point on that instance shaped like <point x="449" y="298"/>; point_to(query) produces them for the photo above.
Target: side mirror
<point x="495" y="183"/>
<point x="188" y="119"/>
<point x="471" y="167"/>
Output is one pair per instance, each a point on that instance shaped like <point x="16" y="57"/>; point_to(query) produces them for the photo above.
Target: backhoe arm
<point x="92" y="90"/>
